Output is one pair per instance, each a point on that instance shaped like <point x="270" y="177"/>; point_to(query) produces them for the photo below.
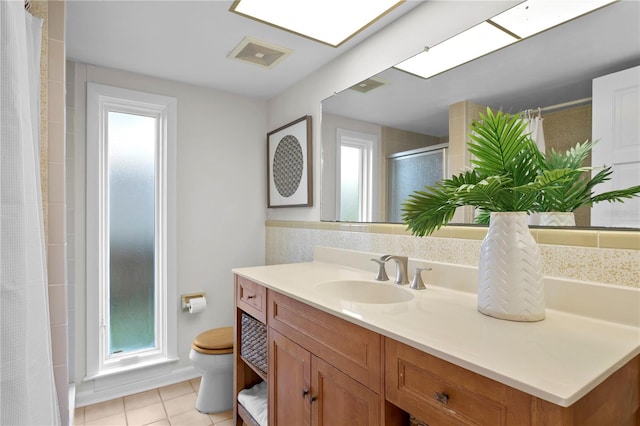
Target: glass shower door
<point x="409" y="171"/>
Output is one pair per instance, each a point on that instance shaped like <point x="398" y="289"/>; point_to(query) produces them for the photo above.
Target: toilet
<point x="212" y="355"/>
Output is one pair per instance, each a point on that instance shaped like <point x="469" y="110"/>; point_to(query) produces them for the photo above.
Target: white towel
<point x="254" y="400"/>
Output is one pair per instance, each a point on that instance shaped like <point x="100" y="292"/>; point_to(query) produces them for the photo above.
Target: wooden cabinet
<point x="440" y="393"/>
<point x="324" y="370"/>
<point x="305" y="390"/>
<point x="348" y="347"/>
<point x="290" y="382"/>
<point x="340" y="400"/>
<point x="250" y="299"/>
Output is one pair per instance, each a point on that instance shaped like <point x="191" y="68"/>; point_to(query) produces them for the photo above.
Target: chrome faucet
<point x="382" y="272"/>
<point x="417" y="283"/>
<point x="401" y="267"/>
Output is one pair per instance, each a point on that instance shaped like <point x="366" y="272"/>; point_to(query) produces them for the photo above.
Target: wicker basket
<point x="253" y="342"/>
<point x="415" y="422"/>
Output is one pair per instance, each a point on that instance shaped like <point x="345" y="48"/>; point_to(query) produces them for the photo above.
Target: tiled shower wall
<point x="611" y="257"/>
<point x="52" y="157"/>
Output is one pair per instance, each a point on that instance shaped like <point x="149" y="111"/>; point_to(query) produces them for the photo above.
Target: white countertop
<point x="559" y="359"/>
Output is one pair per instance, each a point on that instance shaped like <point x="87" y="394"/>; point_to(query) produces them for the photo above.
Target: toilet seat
<point x="217" y="341"/>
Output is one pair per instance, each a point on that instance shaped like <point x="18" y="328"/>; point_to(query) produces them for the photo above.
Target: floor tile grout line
<point x="193" y="384"/>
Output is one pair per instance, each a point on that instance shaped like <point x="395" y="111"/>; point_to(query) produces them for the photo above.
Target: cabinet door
<point x="337" y="399"/>
<point x="616" y="127"/>
<point x="288" y="377"/>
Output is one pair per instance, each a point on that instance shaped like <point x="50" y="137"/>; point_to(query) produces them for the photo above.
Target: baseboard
<point x="84" y="398"/>
<point x="72" y="403"/>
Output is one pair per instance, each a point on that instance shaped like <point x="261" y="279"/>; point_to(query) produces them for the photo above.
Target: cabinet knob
<point x="441" y="397"/>
<point x="251" y="296"/>
<point x="313" y="398"/>
<point x="305" y="392"/>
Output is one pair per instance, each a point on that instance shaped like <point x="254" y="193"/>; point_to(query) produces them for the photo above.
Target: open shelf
<point x="245" y="416"/>
<point x="262" y="374"/>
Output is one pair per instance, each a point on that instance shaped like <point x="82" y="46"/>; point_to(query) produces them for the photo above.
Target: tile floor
<point x="172" y="405"/>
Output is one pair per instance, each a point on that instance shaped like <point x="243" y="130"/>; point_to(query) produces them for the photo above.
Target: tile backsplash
<point x="610" y="257"/>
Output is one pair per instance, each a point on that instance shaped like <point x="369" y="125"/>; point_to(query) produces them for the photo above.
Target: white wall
<point x="221" y="201"/>
<point x="426" y="25"/>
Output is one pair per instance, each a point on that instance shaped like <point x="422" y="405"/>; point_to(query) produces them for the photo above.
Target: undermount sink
<point x="364" y="291"/>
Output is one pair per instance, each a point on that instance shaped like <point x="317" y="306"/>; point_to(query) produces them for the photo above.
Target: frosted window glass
<point x="410" y="173"/>
<point x="131" y="212"/>
<point x="350" y="173"/>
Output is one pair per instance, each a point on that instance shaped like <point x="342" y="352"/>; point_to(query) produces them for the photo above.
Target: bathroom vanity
<point x="342" y="348"/>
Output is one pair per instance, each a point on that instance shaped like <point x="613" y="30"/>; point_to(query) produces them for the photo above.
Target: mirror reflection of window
<point x="355" y="175"/>
<point x="352" y="178"/>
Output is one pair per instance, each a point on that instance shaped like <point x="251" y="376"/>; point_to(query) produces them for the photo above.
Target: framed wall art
<point x="289" y="165"/>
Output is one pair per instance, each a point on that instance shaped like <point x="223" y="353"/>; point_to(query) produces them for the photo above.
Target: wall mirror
<point x="396" y="116"/>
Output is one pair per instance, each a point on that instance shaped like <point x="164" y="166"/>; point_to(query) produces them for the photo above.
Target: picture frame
<point x="289" y="165"/>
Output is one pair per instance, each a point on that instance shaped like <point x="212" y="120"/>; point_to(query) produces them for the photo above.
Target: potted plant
<point x="555" y="205"/>
<point x="505" y="182"/>
<point x="506" y="177"/>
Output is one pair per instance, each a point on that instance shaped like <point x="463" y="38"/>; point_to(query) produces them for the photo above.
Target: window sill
<point x="131" y="373"/>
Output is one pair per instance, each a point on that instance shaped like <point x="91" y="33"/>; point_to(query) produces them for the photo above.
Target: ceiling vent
<point x="260" y="53"/>
<point x="368" y="85"/>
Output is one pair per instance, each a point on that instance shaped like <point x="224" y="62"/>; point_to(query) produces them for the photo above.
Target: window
<point x="357" y="188"/>
<point x="131" y="260"/>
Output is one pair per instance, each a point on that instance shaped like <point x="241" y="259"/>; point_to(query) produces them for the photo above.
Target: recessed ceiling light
<point x="330" y="22"/>
<point x="259" y="52"/>
<point x="475" y="42"/>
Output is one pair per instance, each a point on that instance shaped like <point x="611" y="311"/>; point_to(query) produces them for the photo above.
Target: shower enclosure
<point x="412" y="170"/>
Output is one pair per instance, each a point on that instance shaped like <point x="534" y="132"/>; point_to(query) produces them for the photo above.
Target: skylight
<point x="329" y="21"/>
<point x="534" y="16"/>
<point x="524" y="20"/>
<point x="473" y="43"/>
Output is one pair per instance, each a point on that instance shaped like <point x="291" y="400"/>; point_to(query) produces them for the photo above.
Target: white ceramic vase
<point x="552" y="219"/>
<point x="510" y="284"/>
<point x="557" y="219"/>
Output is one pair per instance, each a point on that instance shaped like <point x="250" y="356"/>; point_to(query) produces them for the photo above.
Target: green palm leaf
<point x="618" y="195"/>
<point x="578" y="190"/>
<point x="510" y="174"/>
<point x="506" y="177"/>
<point x="426" y="211"/>
<point x="499" y="143"/>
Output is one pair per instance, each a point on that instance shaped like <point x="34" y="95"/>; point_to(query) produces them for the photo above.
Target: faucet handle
<point x="417" y="283"/>
<point x="382" y="272"/>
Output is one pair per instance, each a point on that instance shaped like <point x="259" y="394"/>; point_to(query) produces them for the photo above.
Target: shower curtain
<point x="534" y="126"/>
<point x="27" y="389"/>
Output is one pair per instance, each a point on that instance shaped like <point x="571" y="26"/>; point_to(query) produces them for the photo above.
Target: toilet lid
<point x="219" y="340"/>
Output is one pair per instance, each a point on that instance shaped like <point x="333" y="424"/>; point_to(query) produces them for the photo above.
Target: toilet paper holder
<point x="185" y="298"/>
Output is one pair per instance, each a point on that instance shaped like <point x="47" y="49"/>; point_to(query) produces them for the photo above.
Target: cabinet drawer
<point x="350" y="348"/>
<point x="440" y="393"/>
<point x="251" y="298"/>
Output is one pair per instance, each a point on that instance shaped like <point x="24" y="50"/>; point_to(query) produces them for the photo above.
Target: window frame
<point x="101" y="100"/>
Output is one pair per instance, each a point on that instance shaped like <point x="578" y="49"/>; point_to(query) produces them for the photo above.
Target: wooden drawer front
<point x="348" y="347"/>
<point x="417" y="383"/>
<point x="251" y="298"/>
